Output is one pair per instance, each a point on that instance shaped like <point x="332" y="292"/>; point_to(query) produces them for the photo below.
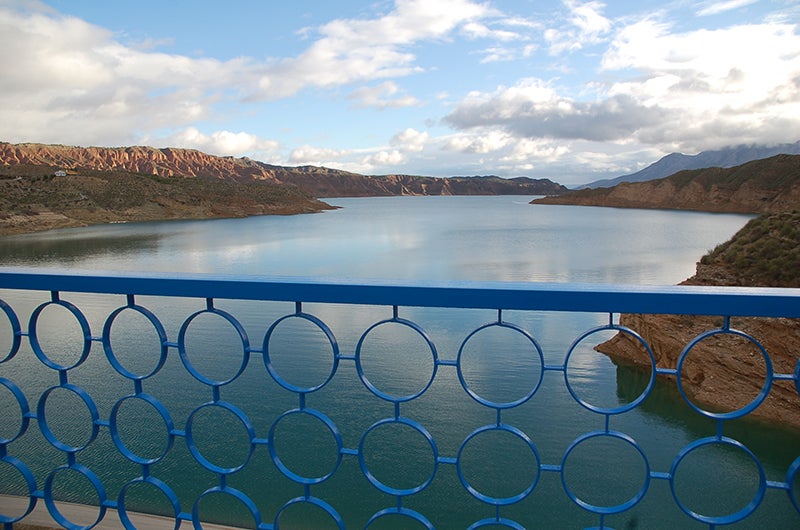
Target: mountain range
<point x="760" y="186"/>
<point x="316" y="181"/>
<point x="672" y="163"/>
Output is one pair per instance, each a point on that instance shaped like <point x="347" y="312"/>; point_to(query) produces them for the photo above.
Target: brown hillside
<point x="39" y="201"/>
<point x="726" y="374"/>
<point x="316" y="181"/>
<point x="767" y="185"/>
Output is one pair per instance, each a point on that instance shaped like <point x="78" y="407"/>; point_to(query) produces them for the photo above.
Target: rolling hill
<point x="672" y="163"/>
<point x="760" y="186"/>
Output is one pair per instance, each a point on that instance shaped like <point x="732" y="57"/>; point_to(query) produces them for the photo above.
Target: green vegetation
<point x="765" y="252"/>
<point x="91" y="197"/>
<point x="779" y="172"/>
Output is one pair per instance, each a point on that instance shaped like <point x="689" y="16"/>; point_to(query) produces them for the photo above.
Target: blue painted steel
<point x="720" y="519"/>
<point x="593" y="298"/>
<point x="300" y="479"/>
<point x="747" y="409"/>
<point x="399" y="492"/>
<point x="331" y="340"/>
<point x="487" y="402"/>
<point x="607" y="510"/>
<point x="628" y="406"/>
<point x="374" y="389"/>
<point x="605" y="299"/>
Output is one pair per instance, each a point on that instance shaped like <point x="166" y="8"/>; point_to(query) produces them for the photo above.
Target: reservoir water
<point x="405" y="238"/>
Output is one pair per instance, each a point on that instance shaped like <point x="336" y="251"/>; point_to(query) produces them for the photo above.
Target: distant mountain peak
<point x="674" y="162"/>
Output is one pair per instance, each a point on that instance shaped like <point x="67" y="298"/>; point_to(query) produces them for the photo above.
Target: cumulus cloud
<point x="733" y="85"/>
<point x="222" y="143"/>
<point x="316" y="156"/>
<point x="385" y="158"/>
<point x="480" y="143"/>
<point x="352" y="50"/>
<point x="71" y="79"/>
<point x="382" y="96"/>
<point x="698" y="90"/>
<point x="410" y="140"/>
<point x="532" y="109"/>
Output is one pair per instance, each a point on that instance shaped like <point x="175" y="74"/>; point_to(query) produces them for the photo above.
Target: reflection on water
<point x="75" y="245"/>
<point x="460" y="238"/>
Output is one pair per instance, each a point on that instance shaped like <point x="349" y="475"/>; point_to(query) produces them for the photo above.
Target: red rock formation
<point x="316" y="181"/>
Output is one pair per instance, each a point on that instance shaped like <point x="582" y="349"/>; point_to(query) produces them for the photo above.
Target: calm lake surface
<point x="406" y="238"/>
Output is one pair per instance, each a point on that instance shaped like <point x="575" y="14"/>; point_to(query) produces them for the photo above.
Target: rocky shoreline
<point x="725" y="372"/>
<point x="43" y="202"/>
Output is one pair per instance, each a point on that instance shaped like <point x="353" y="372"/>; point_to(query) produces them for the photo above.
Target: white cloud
<point x="477" y="30"/>
<point x="382" y="96"/>
<point x="71" y="80"/>
<point x="485" y="142"/>
<point x="735" y="85"/>
<point x="696" y="90"/>
<point x="385" y="158"/>
<point x="316" y="156"/>
<point x="497" y="54"/>
<point x="533" y="109"/>
<point x="222" y="143"/>
<point x="586" y="25"/>
<point x="410" y="140"/>
<point x="353" y="50"/>
<point x="714" y="8"/>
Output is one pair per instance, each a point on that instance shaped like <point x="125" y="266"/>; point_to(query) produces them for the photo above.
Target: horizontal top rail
<point x="581" y="297"/>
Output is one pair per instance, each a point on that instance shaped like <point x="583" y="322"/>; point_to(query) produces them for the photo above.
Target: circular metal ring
<point x="34" y="339"/>
<point x="30" y="481"/>
<point x="226" y="490"/>
<point x="161" y="486"/>
<point x="45" y="428"/>
<point x="628" y="406"/>
<point x="499" y="501"/>
<point x="165" y="417"/>
<point x="51" y="505"/>
<point x="375" y="390"/>
<point x="314" y="502"/>
<point x="747" y="409"/>
<point x="402" y="512"/>
<point x="724" y="519"/>
<point x="791" y="475"/>
<point x="288" y="472"/>
<point x="185" y="357"/>
<point x="490" y="403"/>
<point x="496" y="521"/>
<point x="606" y="510"/>
<point x="380" y="485"/>
<point x="203" y="461"/>
<point x="797" y="376"/>
<point x="24" y="409"/>
<point x="16" y="330"/>
<point x="328" y="334"/>
<point x="112" y="358"/>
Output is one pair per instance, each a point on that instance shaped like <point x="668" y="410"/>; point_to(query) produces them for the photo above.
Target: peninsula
<point x="723" y="375"/>
<point x="760" y="186"/>
<point x="56" y="186"/>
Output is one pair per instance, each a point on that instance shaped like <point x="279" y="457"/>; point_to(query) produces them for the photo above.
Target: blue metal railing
<point x="500" y="297"/>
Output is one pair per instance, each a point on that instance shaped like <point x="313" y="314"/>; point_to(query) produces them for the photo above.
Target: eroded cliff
<point x="761" y="186"/>
<point x="725" y="372"/>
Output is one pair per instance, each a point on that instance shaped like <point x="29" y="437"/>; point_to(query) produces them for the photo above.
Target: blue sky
<point x="569" y="90"/>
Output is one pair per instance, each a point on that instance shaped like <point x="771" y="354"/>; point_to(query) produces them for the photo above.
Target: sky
<point x="570" y="90"/>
